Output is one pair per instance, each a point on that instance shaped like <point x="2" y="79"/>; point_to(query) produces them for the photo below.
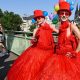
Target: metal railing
<point x="18" y="41"/>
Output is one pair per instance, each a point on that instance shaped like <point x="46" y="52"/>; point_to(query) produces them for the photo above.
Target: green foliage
<point x="1" y="15"/>
<point x="32" y="27"/>
<point x="10" y="21"/>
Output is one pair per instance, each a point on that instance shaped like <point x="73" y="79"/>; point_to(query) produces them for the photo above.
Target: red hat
<point x="38" y="13"/>
<point x="64" y="6"/>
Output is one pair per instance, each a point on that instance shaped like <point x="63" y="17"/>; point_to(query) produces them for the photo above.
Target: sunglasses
<point x="64" y="13"/>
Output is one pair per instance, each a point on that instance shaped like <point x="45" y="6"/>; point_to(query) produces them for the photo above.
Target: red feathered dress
<point x="59" y="66"/>
<point x="33" y="59"/>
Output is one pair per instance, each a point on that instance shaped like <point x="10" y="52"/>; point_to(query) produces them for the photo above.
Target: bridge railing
<point x="18" y="41"/>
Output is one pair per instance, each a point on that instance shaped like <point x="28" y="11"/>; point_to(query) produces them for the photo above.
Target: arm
<point x="34" y="36"/>
<point x="77" y="34"/>
<point x="52" y="26"/>
<point x="34" y="32"/>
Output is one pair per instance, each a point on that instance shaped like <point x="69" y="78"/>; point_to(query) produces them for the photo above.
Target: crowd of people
<point x="44" y="60"/>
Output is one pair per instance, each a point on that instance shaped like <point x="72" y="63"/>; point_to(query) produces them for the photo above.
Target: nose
<point x="63" y="16"/>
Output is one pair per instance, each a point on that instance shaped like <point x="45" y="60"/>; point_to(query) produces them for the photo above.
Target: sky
<point x="26" y="7"/>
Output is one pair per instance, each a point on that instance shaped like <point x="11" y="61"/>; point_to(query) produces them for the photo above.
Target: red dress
<point x="32" y="60"/>
<point x="59" y="66"/>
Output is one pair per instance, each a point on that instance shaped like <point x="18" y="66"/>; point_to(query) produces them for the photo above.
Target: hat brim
<point x="64" y="10"/>
<point x="38" y="16"/>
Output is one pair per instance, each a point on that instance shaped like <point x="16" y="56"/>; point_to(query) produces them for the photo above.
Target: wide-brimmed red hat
<point x="64" y="6"/>
<point x="38" y="13"/>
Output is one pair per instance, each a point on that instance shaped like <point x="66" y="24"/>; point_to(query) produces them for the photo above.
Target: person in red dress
<point x="64" y="64"/>
<point x="33" y="59"/>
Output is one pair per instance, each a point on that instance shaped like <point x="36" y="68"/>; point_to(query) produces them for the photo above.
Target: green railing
<point x="18" y="41"/>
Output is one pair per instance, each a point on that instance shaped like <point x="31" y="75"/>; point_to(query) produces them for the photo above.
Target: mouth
<point x="39" y="22"/>
<point x="63" y="17"/>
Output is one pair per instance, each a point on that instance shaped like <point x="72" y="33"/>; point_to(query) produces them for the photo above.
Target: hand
<point x="69" y="55"/>
<point x="34" y="40"/>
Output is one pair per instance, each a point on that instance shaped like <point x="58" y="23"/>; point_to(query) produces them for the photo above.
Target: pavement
<point x="5" y="64"/>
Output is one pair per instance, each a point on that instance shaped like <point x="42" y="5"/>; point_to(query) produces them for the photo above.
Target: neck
<point x="64" y="24"/>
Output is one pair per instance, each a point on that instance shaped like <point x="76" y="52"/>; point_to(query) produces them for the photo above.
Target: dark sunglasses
<point x="64" y="13"/>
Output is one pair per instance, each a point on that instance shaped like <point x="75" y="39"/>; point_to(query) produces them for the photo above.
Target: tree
<point x="32" y="27"/>
<point x="16" y="22"/>
<point x="1" y="15"/>
<point x="11" y="21"/>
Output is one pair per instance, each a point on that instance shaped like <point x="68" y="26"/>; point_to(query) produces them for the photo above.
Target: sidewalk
<point x="5" y="64"/>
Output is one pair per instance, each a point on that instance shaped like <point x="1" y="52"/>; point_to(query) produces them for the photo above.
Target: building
<point x="27" y="22"/>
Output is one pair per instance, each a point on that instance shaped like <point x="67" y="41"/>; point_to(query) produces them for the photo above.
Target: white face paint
<point x="64" y="18"/>
<point x="63" y="15"/>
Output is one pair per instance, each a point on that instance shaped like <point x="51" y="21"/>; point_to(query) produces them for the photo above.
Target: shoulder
<point x="75" y="30"/>
<point x="73" y="25"/>
<point x="35" y="30"/>
<point x="50" y="24"/>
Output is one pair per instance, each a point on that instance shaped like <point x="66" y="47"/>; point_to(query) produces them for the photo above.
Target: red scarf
<point x="64" y="25"/>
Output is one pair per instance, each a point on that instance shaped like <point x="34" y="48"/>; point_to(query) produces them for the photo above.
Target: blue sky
<point x="28" y="6"/>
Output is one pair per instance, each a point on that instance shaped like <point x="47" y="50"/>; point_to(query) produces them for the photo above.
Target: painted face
<point x="40" y="20"/>
<point x="64" y="15"/>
